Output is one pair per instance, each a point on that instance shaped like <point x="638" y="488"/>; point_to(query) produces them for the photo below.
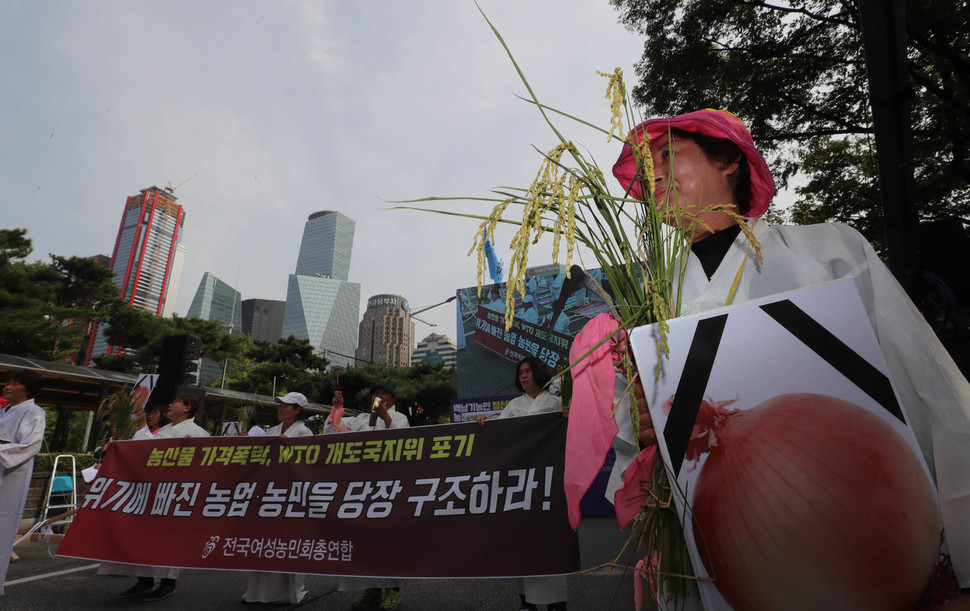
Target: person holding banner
<point x="384" y="594"/>
<point x="154" y="421"/>
<point x="707" y="158"/>
<point x="291" y="414"/>
<point x="531" y="378"/>
<point x="22" y="424"/>
<point x="181" y="414"/>
<point x="282" y="587"/>
<point x="382" y="415"/>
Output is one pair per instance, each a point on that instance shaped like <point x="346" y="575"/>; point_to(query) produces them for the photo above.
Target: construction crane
<point x="172" y="189"/>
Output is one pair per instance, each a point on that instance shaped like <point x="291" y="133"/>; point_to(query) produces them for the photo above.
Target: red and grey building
<point x="147" y="257"/>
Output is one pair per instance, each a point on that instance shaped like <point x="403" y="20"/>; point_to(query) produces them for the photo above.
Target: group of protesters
<point x="178" y="421"/>
<point x="21" y="434"/>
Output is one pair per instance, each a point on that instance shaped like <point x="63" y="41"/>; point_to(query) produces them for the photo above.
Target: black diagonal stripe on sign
<point x="691" y="387"/>
<point x="836" y="353"/>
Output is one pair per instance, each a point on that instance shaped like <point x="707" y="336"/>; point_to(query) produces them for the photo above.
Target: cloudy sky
<point x="283" y="108"/>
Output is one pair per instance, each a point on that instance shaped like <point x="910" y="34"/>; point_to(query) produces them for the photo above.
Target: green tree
<point x="138" y="334"/>
<point x="84" y="294"/>
<point x="46" y="308"/>
<point x="288" y="365"/>
<point x="424" y="391"/>
<point x="141" y="334"/>
<point x="795" y="72"/>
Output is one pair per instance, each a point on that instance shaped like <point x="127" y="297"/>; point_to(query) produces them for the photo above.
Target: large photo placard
<point x="797" y="476"/>
<point x="554" y="307"/>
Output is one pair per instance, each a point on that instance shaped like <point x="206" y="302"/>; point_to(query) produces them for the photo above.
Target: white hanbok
<point x="361" y="422"/>
<point x="265" y="587"/>
<point x="525" y="405"/>
<point x="934" y="393"/>
<point x="133" y="570"/>
<point x="186" y="428"/>
<point x="21" y="434"/>
<point x="549" y="589"/>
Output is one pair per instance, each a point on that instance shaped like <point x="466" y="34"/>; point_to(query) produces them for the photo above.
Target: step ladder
<point x="61" y="490"/>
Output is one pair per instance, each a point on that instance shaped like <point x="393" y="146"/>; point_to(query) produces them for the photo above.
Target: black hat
<point x="386" y="386"/>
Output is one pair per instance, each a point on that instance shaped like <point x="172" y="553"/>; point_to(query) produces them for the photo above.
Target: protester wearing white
<point x="934" y="393"/>
<point x="153" y="424"/>
<point x="524" y="405"/>
<point x="186" y="428"/>
<point x="181" y="414"/>
<point x="362" y="422"/>
<point x="265" y="587"/>
<point x="22" y="425"/>
<point x="384" y="594"/>
<point x="531" y="378"/>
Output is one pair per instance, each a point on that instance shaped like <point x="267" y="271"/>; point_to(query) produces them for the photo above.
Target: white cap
<point x="293" y="398"/>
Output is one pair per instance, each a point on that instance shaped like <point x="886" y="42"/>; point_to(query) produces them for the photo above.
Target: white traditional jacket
<point x="934" y="393"/>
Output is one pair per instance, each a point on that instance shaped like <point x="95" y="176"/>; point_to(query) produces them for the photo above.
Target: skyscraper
<point x="328" y="240"/>
<point x="150" y="233"/>
<point x="435" y="348"/>
<point x="145" y="250"/>
<point x="216" y="300"/>
<point x="321" y="304"/>
<point x="386" y="333"/>
<point x="262" y="319"/>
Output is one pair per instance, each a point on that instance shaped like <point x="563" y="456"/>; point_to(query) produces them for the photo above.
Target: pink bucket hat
<point x="709" y="122"/>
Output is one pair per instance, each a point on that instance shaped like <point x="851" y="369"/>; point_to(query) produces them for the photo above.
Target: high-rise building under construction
<point x="147" y="257"/>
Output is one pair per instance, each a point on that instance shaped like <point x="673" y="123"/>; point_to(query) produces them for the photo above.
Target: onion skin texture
<point x="811" y="502"/>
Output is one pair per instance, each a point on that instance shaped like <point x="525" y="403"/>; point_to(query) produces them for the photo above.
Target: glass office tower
<point x="321" y="304"/>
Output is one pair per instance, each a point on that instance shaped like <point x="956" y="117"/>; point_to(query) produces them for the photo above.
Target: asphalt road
<point x="41" y="581"/>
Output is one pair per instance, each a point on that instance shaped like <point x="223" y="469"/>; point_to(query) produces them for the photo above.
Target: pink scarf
<point x="591" y="425"/>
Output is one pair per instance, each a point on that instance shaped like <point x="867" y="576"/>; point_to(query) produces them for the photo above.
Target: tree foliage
<point x="266" y="368"/>
<point x="46" y="308"/>
<point x="795" y="72"/>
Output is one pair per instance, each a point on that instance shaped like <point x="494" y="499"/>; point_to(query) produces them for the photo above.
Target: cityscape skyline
<point x="281" y="110"/>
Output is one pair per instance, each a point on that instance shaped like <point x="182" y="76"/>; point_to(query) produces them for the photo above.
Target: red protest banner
<point x="453" y="500"/>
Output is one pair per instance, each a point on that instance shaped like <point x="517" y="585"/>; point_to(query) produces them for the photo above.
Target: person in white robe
<point x="265" y="587"/>
<point x="154" y="420"/>
<point x="384" y="594"/>
<point x="181" y="415"/>
<point x="22" y="425"/>
<point x="532" y="378"/>
<point x="691" y="160"/>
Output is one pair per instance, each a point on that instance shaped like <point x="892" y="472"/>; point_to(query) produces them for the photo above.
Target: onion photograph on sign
<point x="797" y="475"/>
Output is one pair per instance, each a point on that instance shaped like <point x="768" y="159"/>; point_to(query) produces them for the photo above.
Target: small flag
<point x="494" y="261"/>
